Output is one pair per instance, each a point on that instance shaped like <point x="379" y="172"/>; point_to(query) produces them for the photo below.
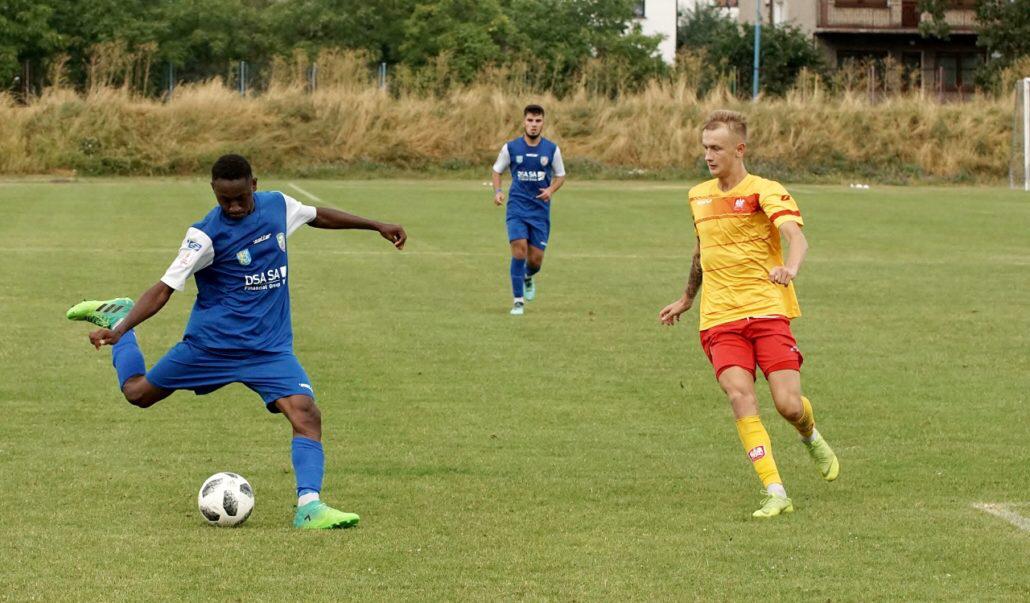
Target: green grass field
<point x="581" y="452"/>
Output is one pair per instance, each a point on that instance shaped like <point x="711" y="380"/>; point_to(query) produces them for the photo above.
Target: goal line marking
<point x="304" y="192"/>
<point x="1004" y="511"/>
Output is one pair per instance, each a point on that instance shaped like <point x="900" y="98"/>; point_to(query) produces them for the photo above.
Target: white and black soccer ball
<point x="226" y="499"/>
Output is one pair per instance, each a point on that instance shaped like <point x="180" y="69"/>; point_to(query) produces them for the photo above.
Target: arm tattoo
<point x="696" y="274"/>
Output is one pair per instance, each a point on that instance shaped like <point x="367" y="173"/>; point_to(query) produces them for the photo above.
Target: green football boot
<point x="773" y="505"/>
<point x="104" y="314"/>
<point x="530" y="285"/>
<point x="316" y="515"/>
<point x="824" y="458"/>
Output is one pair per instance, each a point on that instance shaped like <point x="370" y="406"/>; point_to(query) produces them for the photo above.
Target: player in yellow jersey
<point x="748" y="299"/>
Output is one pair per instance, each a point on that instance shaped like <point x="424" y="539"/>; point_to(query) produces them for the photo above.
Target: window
<point x="862" y="4"/>
<point x="640" y="9"/>
<point x="957" y="71"/>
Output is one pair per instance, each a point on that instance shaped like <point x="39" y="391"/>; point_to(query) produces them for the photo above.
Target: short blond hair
<point x="733" y="120"/>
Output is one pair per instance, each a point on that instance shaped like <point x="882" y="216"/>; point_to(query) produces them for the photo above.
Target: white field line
<point x="304" y="192"/>
<point x="1005" y="512"/>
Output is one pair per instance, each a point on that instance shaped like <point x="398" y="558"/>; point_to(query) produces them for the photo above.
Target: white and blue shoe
<point x="530" y="285"/>
<point x="518" y="308"/>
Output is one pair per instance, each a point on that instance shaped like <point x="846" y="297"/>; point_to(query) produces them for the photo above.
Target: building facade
<point x="658" y="17"/>
<point x="875" y="30"/>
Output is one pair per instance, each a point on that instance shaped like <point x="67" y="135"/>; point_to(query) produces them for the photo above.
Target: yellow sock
<point x="758" y="447"/>
<point x="806" y="424"/>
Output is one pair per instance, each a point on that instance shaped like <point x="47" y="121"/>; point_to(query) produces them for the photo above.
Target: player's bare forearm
<point x="696" y="275"/>
<point x="498" y="191"/>
<point x="557" y="184"/>
<point x="334" y="219"/>
<point x="797" y="248"/>
<point x="148" y="304"/>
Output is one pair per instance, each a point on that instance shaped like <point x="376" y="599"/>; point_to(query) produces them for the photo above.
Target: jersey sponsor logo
<point x="269" y="279"/>
<point x="244" y="257"/>
<point x="261" y="239"/>
<point x="543" y="161"/>
<point x="195" y="246"/>
<point x="756" y="454"/>
<point x="531" y="175"/>
<point x="518" y="159"/>
<point x="281" y="239"/>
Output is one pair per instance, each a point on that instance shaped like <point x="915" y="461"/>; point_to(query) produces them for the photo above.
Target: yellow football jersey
<point x="740" y="243"/>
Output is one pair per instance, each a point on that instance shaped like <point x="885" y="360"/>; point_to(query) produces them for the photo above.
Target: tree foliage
<point x="553" y="40"/>
<point x="729" y="48"/>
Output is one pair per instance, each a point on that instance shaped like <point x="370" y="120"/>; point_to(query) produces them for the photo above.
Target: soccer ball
<point x="226" y="499"/>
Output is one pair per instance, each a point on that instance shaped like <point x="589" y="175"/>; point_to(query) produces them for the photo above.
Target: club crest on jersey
<point x="281" y="239"/>
<point x="756" y="454"/>
<point x="543" y="161"/>
<point x="244" y="257"/>
<point x="518" y="159"/>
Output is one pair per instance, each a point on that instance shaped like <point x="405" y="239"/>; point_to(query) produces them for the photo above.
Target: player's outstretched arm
<point x="149" y="304"/>
<point x="334" y="219"/>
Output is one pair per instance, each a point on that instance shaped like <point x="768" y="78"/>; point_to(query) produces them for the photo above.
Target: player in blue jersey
<point x="537" y="172"/>
<point x="239" y="330"/>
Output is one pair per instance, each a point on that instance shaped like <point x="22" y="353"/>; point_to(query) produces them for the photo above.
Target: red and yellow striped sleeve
<point x="779" y="205"/>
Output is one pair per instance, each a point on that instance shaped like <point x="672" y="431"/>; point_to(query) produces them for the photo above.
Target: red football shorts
<point x="766" y="342"/>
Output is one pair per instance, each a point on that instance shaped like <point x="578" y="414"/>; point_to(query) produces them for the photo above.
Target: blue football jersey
<point x="532" y="168"/>
<point x="241" y="269"/>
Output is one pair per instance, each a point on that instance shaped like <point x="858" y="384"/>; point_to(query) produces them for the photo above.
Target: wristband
<point x="498" y="190"/>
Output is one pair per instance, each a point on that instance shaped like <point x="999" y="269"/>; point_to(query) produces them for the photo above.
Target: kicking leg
<point x="739" y="386"/>
<point x="785" y="386"/>
<point x="308" y="458"/>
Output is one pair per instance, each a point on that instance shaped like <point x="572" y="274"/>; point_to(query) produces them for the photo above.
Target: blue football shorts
<point x="535" y="229"/>
<point x="272" y="375"/>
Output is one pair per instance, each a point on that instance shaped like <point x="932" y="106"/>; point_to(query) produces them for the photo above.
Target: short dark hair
<point x="231" y="167"/>
<point x="533" y="110"/>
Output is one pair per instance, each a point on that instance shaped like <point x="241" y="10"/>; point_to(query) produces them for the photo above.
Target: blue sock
<point x="518" y="276"/>
<point x="127" y="358"/>
<point x="308" y="464"/>
<point x="531" y="270"/>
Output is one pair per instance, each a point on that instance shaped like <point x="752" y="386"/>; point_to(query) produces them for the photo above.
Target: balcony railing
<point x="887" y="15"/>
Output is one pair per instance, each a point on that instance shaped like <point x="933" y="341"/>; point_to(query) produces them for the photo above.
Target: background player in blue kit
<point x="239" y="329"/>
<point x="537" y="172"/>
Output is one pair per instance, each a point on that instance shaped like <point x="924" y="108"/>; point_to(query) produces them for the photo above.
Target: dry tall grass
<point x="349" y="121"/>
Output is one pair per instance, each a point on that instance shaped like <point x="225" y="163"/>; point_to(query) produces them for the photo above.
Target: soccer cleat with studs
<point x="316" y="515"/>
<point x="518" y="308"/>
<point x="104" y="314"/>
<point x="772" y="506"/>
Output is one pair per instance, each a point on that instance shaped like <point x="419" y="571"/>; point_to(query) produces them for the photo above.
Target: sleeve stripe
<point x="785" y="212"/>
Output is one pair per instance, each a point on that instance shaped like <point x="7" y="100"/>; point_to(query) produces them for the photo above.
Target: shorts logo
<point x="543" y="161"/>
<point x="244" y="257"/>
<point x="756" y="454"/>
<point x="784" y="197"/>
<point x="281" y="239"/>
<point x="518" y="159"/>
<point x="195" y="246"/>
<point x="543" y="243"/>
<point x="306" y="386"/>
